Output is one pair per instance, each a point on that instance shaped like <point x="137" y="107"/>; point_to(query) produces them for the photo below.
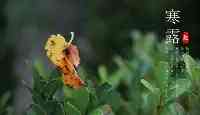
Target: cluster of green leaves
<point x="51" y="97"/>
<point x="141" y="85"/>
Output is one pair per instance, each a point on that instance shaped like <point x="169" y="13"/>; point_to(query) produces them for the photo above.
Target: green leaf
<point x="177" y="88"/>
<point x="38" y="81"/>
<point x="103" y="74"/>
<point x="149" y="86"/>
<point x="44" y="89"/>
<point x="123" y="73"/>
<point x="174" y="109"/>
<point x="54" y="74"/>
<point x="39" y="66"/>
<point x="38" y="98"/>
<point x="93" y="99"/>
<point x="161" y="74"/>
<point x="107" y="95"/>
<point x="96" y="112"/>
<point x="71" y="109"/>
<point x="192" y="68"/>
<point x="4" y="99"/>
<point x="148" y="102"/>
<point x="36" y="110"/>
<point x="51" y="87"/>
<point x="102" y="110"/>
<point x="149" y="42"/>
<point x="77" y="97"/>
<point x="54" y="108"/>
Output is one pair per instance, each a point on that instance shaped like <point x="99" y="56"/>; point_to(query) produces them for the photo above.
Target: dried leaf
<point x="66" y="57"/>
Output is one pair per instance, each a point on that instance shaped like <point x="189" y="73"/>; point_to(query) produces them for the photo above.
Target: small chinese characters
<point x="172" y="16"/>
<point x="173" y="34"/>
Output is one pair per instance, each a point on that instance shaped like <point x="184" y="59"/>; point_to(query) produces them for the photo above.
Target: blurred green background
<point x="102" y="28"/>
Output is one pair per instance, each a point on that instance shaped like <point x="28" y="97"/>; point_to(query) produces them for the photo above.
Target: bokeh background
<point x="102" y="30"/>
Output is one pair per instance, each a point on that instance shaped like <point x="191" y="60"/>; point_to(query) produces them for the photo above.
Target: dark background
<point x="102" y="30"/>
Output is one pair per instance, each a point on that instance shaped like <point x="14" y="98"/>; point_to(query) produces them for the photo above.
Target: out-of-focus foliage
<point x="140" y="85"/>
<point x="5" y="108"/>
